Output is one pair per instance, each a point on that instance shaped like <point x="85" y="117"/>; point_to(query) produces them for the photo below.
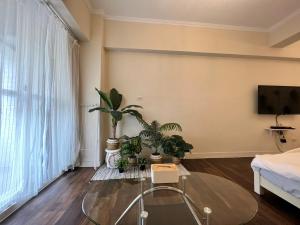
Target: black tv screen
<point x="278" y="100"/>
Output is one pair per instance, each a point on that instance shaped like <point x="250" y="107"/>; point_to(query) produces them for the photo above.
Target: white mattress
<point x="288" y="185"/>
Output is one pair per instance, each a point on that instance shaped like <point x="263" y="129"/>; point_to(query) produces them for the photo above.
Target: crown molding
<point x="189" y="23"/>
<point x="183" y="23"/>
<point x="283" y="21"/>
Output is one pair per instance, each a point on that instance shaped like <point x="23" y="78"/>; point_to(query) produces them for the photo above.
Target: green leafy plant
<point x="130" y="146"/>
<point x="153" y="133"/>
<point x="122" y="164"/>
<point x="142" y="161"/>
<point x="112" y="103"/>
<point x="175" y="146"/>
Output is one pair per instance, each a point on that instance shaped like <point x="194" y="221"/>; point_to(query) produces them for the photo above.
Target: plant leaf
<point x="131" y="106"/>
<point x="146" y="134"/>
<point x="116" y="115"/>
<point x="143" y="123"/>
<point x="170" y="126"/>
<point x="133" y="113"/>
<point x="116" y="98"/>
<point x="155" y="125"/>
<point x="102" y="109"/>
<point x="105" y="98"/>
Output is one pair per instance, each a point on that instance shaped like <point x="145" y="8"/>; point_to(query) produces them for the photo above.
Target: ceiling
<point x="255" y="14"/>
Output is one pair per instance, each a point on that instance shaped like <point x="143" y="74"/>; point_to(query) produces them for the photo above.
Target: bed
<point x="280" y="174"/>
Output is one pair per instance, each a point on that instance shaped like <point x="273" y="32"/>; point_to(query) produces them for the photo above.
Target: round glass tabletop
<point x="230" y="204"/>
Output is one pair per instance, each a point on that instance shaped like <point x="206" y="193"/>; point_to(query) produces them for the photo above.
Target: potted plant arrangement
<point x="153" y="134"/>
<point x="176" y="147"/>
<point x="142" y="162"/>
<point x="122" y="164"/>
<point x="112" y="102"/>
<point x="130" y="147"/>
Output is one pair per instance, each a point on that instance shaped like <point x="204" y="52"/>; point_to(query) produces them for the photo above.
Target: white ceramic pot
<point x="132" y="161"/>
<point x="156" y="158"/>
<point x="112" y="144"/>
<point x="112" y="156"/>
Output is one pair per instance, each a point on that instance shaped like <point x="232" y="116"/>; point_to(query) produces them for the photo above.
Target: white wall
<point x="191" y="75"/>
<point x="213" y="98"/>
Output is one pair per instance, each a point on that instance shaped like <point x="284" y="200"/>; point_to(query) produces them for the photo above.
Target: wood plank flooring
<point x="60" y="203"/>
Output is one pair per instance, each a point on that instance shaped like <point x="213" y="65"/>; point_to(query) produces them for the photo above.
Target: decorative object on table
<point x="104" y="173"/>
<point x="142" y="162"/>
<point x="112" y="103"/>
<point x="153" y="134"/>
<point x="122" y="165"/>
<point x="176" y="147"/>
<point x="164" y="173"/>
<point x="130" y="147"/>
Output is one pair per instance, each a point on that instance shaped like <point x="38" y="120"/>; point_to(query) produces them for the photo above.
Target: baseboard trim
<point x="89" y="164"/>
<point x="204" y="155"/>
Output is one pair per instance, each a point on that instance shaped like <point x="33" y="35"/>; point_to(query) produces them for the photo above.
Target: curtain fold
<point x="38" y="99"/>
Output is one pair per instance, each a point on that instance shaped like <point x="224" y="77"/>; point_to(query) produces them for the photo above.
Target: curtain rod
<point x="56" y="14"/>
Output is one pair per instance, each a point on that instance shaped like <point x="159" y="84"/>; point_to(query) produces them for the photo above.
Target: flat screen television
<point x="278" y="100"/>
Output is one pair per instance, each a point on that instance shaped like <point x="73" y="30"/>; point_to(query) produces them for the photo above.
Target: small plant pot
<point x="132" y="161"/>
<point x="142" y="167"/>
<point x="156" y="158"/>
<point x="121" y="170"/>
<point x="176" y="160"/>
<point x="112" y="144"/>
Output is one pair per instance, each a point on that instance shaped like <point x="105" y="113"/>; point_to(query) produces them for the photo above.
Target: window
<point x="38" y="100"/>
<point x="10" y="159"/>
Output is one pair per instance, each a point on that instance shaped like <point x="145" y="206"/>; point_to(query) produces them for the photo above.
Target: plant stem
<point x="114" y="131"/>
<point x="114" y="127"/>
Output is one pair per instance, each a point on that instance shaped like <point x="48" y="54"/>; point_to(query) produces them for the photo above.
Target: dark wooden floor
<point x="60" y="203"/>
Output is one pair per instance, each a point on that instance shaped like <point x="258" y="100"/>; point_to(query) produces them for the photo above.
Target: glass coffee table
<point x="199" y="198"/>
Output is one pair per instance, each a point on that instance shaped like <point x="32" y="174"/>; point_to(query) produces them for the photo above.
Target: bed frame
<point x="260" y="182"/>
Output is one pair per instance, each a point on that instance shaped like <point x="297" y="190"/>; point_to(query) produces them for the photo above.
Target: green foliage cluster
<point x="175" y="146"/>
<point x="112" y="103"/>
<point x="152" y="136"/>
<point x="153" y="133"/>
<point x="130" y="146"/>
<point x="142" y="161"/>
<point x="122" y="163"/>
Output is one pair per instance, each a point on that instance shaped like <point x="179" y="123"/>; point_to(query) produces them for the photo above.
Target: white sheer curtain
<point x="38" y="99"/>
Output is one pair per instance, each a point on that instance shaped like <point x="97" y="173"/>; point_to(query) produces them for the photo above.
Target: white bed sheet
<point x="285" y="164"/>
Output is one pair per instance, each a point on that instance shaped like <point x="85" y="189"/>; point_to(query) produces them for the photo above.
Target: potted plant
<point x="122" y="165"/>
<point x="130" y="147"/>
<point x="153" y="134"/>
<point x="112" y="103"/>
<point x="142" y="162"/>
<point x="176" y="147"/>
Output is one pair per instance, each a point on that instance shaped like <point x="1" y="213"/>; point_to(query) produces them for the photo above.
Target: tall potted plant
<point x="111" y="105"/>
<point x="130" y="147"/>
<point x="153" y="134"/>
<point x="176" y="147"/>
